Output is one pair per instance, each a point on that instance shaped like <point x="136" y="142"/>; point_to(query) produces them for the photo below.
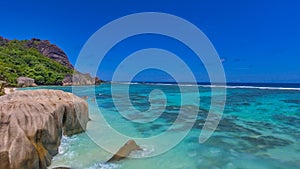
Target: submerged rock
<point x="32" y="124"/>
<point x="125" y="151"/>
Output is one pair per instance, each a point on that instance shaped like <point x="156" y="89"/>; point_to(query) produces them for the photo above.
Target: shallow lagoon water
<point x="260" y="128"/>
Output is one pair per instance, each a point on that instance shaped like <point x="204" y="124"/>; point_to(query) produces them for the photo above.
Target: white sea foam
<point x="125" y="83"/>
<point x="220" y="86"/>
<point x="250" y="87"/>
<point x="146" y="151"/>
<point x="104" y="166"/>
<point x="66" y="143"/>
<point x="257" y="87"/>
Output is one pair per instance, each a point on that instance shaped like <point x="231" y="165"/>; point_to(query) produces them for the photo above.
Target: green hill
<point x="17" y="59"/>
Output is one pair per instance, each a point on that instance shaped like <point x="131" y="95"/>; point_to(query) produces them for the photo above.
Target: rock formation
<point x="26" y="82"/>
<point x="50" y="50"/>
<point x="32" y="124"/>
<point x="78" y="79"/>
<point x="54" y="52"/>
<point x="125" y="151"/>
<point x="3" y="41"/>
<point x="45" y="48"/>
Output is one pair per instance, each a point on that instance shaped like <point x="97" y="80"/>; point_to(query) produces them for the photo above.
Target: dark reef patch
<point x="292" y="101"/>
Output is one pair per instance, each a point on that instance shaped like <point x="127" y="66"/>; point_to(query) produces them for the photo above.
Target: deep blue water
<point x="286" y="85"/>
<point x="260" y="128"/>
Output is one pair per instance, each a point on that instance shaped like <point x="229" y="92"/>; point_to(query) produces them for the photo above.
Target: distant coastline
<point x="26" y="63"/>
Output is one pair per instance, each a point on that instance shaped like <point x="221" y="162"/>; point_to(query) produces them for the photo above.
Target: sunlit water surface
<point x="260" y="129"/>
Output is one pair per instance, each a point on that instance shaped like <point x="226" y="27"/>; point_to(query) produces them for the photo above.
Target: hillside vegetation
<point x="17" y="59"/>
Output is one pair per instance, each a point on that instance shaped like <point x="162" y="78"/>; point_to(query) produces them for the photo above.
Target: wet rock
<point x="125" y="151"/>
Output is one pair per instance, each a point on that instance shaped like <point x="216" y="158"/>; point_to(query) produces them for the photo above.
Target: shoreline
<point x="262" y="86"/>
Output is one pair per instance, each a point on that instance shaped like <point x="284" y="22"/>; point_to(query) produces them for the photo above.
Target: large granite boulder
<point x="26" y="82"/>
<point x="32" y="124"/>
<point x="78" y="79"/>
<point x="50" y="50"/>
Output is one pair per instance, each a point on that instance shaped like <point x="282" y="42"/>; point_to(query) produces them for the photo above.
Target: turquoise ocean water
<point x="260" y="129"/>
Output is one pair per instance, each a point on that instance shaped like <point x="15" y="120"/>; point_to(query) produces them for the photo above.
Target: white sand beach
<point x="9" y="90"/>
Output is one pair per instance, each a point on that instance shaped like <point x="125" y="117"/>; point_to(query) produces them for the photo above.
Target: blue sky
<point x="258" y="41"/>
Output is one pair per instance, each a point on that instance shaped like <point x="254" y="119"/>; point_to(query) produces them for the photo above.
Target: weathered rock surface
<point x="124" y="151"/>
<point x="32" y="124"/>
<point x="54" y="52"/>
<point x="50" y="50"/>
<point x="3" y="41"/>
<point x="79" y="79"/>
<point x="26" y="82"/>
